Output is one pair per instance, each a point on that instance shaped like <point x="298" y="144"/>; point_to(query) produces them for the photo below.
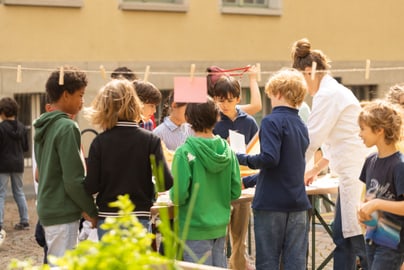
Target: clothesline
<point x="185" y="73"/>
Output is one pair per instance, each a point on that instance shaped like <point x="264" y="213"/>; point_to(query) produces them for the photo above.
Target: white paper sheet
<point x="237" y="142"/>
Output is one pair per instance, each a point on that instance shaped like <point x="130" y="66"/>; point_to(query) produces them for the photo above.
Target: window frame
<point x="273" y="8"/>
<point x="49" y="3"/>
<point x="178" y="6"/>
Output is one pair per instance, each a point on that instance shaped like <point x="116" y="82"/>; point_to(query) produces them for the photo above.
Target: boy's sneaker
<point x="21" y="226"/>
<point x="2" y="236"/>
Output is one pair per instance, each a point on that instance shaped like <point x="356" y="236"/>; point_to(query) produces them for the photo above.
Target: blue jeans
<point x="214" y="247"/>
<point x="380" y="257"/>
<point x="18" y="194"/>
<point x="281" y="234"/>
<point x="101" y="232"/>
<point x="347" y="249"/>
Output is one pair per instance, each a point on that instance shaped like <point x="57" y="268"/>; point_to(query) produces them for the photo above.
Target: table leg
<point x="313" y="232"/>
<point x="316" y="214"/>
<point x="323" y="223"/>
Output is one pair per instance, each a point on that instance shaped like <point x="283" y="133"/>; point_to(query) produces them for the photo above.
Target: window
<point x="364" y="92"/>
<point x="53" y="3"/>
<point x="252" y="7"/>
<point x="155" y="5"/>
<point x="31" y="106"/>
<point x="266" y="103"/>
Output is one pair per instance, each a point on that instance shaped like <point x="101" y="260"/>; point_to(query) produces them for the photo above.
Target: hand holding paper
<point x="237" y="142"/>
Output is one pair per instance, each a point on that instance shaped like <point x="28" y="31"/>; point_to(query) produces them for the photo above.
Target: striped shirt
<point x="149" y="125"/>
<point x="173" y="135"/>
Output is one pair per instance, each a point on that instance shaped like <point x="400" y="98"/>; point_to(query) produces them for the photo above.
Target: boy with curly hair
<point x="383" y="172"/>
<point x="62" y="199"/>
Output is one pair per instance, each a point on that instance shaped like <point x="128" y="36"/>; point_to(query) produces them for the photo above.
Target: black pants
<point x="40" y="239"/>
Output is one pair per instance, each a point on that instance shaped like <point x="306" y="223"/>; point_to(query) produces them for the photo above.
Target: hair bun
<point x="301" y="48"/>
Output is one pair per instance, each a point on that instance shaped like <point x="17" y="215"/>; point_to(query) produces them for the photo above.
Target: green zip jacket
<point x="213" y="165"/>
<point x="61" y="194"/>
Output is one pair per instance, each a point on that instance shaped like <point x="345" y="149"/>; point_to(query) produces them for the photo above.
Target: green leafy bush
<point x="126" y="245"/>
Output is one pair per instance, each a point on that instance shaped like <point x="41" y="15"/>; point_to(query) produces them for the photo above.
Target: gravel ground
<point x="19" y="244"/>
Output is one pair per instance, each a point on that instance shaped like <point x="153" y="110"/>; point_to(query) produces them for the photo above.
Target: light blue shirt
<point x="173" y="135"/>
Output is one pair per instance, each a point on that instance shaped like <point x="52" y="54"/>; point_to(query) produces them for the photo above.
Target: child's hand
<point x="366" y="209"/>
<point x="92" y="220"/>
<point x="252" y="72"/>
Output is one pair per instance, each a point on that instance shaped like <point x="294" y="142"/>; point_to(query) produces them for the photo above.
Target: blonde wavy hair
<point x="116" y="101"/>
<point x="290" y="84"/>
<point x="380" y="114"/>
<point x="394" y="94"/>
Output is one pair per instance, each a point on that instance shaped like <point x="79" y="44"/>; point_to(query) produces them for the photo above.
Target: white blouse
<point x="333" y="125"/>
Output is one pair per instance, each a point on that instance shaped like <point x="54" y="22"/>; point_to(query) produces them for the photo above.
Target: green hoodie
<point x="212" y="164"/>
<point x="61" y="194"/>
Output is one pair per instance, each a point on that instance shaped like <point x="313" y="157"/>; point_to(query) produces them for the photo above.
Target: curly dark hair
<point x="9" y="107"/>
<point x="202" y="116"/>
<point x="74" y="80"/>
<point x="123" y="73"/>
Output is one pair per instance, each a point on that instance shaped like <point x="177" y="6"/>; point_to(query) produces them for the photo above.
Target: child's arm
<point x="36" y="175"/>
<point x="271" y="142"/>
<point x="250" y="181"/>
<point x="255" y="94"/>
<point x="393" y="207"/>
<point x="73" y="170"/>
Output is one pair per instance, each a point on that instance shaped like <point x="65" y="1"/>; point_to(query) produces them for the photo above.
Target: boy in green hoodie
<point x="62" y="199"/>
<point x="204" y="169"/>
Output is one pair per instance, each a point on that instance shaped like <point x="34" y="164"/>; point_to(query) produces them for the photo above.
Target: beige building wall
<point x="99" y="33"/>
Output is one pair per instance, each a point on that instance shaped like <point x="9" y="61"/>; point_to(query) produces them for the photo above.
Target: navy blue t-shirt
<point x="384" y="178"/>
<point x="244" y="124"/>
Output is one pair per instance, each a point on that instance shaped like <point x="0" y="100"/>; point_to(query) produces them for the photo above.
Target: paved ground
<point x="22" y="244"/>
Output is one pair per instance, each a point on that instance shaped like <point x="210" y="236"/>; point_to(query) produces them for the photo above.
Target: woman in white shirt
<point x="333" y="125"/>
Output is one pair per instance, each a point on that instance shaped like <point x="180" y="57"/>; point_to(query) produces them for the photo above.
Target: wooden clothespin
<point x="313" y="70"/>
<point x="258" y="65"/>
<point x="103" y="72"/>
<point x="192" y="72"/>
<point x="61" y="76"/>
<point x="367" y="69"/>
<point x="19" y="75"/>
<point x="146" y="73"/>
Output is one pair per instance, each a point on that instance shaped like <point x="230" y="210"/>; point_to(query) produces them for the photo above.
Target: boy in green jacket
<point x="206" y="169"/>
<point x="62" y="199"/>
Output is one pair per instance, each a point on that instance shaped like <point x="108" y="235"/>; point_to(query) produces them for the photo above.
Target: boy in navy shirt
<point x="226" y="93"/>
<point x="280" y="202"/>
